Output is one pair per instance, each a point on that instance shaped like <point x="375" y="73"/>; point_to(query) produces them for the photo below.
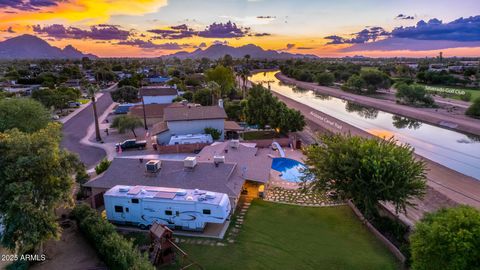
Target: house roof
<point x="188" y="113"/>
<point x="232" y="125"/>
<point x="224" y="178"/>
<point x="158" y="91"/>
<point x="253" y="165"/>
<point x="151" y="110"/>
<point x="159" y="128"/>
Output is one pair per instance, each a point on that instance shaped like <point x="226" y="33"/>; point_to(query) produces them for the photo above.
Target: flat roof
<point x="166" y="193"/>
<point x="188" y="113"/>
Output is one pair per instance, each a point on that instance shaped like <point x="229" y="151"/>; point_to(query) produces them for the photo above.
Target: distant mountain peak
<point x="32" y="47"/>
<point x="216" y="51"/>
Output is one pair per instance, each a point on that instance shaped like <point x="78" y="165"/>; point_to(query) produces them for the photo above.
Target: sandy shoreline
<point x="460" y="124"/>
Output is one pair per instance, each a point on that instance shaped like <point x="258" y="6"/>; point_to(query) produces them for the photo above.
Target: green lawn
<point x="260" y="135"/>
<point x="276" y="236"/>
<point x="474" y="92"/>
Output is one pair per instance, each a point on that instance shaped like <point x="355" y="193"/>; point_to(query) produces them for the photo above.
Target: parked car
<point x="74" y="104"/>
<point x="130" y="144"/>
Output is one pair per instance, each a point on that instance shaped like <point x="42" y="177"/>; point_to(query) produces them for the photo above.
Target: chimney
<point x="220" y="103"/>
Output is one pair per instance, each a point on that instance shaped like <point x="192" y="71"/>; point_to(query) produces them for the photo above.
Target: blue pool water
<point x="291" y="170"/>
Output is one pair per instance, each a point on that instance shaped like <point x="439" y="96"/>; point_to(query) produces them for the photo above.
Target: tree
<point x="203" y="96"/>
<point x="57" y="97"/>
<point x="366" y="171"/>
<point x="36" y="178"/>
<point x="215" y="90"/>
<point x="102" y="166"/>
<point x="474" y="109"/>
<point x="25" y="114"/>
<point x="127" y="122"/>
<point x="244" y="73"/>
<point x="215" y="133"/>
<point x="325" y="78"/>
<point x="374" y="80"/>
<point x="447" y="239"/>
<point x="92" y="90"/>
<point x="355" y="84"/>
<point x="223" y="76"/>
<point x="413" y="94"/>
<point x="188" y="95"/>
<point x="125" y="94"/>
<point x="258" y="109"/>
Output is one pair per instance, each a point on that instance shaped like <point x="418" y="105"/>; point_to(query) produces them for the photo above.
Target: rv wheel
<point x="142" y="226"/>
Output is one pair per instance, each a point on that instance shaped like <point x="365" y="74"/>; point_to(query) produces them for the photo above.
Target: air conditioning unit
<point x="218" y="159"/>
<point x="210" y="195"/>
<point x="153" y="166"/>
<point x="190" y="162"/>
<point x="234" y="143"/>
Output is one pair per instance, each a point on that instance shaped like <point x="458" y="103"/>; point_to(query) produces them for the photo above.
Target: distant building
<point x="158" y="79"/>
<point x="189" y="119"/>
<point x="158" y="95"/>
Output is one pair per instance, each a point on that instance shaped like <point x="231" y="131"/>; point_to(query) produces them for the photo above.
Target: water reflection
<point x="452" y="149"/>
<point x="365" y="112"/>
<point x="405" y="122"/>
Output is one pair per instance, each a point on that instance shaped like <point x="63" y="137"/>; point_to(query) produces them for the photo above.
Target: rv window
<point x="118" y="209"/>
<point x="207" y="211"/>
<point x="126" y="209"/>
<point x="134" y="200"/>
<point x="168" y="212"/>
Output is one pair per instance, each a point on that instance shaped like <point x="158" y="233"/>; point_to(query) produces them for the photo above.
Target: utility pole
<point x="144" y="115"/>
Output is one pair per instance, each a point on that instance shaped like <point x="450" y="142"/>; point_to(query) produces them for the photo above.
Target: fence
<point x="180" y="148"/>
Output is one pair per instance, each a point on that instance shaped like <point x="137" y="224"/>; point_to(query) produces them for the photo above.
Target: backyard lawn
<point x="278" y="236"/>
<point x="260" y="135"/>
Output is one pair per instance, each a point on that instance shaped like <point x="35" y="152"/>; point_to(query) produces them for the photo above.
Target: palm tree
<point x="215" y="89"/>
<point x="244" y="74"/>
<point x="92" y="90"/>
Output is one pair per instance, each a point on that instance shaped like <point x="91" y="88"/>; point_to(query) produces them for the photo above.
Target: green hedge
<point x="116" y="251"/>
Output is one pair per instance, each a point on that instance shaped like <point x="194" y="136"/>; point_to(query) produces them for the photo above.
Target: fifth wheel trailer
<point x="186" y="209"/>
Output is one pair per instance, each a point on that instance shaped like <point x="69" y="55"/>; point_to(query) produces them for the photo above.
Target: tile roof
<point x="188" y="113"/>
<point x="159" y="128"/>
<point x="254" y="166"/>
<point x="224" y="178"/>
<point x="158" y="91"/>
<point x="232" y="125"/>
<point x="151" y="110"/>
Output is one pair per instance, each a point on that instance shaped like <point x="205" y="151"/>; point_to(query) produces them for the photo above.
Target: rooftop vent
<point x="210" y="195"/>
<point x="124" y="189"/>
<point x="153" y="166"/>
<point x="234" y="143"/>
<point x="218" y="159"/>
<point x="190" y="162"/>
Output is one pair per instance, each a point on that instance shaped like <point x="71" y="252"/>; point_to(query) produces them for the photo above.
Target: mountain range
<point x="220" y="50"/>
<point x="32" y="47"/>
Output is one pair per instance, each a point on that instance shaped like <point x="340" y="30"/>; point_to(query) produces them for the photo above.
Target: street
<point x="75" y="129"/>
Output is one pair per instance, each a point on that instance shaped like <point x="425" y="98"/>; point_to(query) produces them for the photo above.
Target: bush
<point x="474" y="109"/>
<point x="102" y="166"/>
<point x="116" y="251"/>
<point x="215" y="133"/>
<point x="325" y="78"/>
<point x="447" y="239"/>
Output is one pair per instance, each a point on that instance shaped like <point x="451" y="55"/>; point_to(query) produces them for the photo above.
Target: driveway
<point x="75" y="129"/>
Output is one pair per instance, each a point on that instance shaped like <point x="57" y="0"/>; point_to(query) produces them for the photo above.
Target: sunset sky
<point x="138" y="28"/>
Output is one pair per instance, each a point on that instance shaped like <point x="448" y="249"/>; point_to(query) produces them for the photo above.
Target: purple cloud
<point x="150" y="45"/>
<point x="224" y="30"/>
<point x="99" y="32"/>
<point x="370" y="34"/>
<point x="28" y="5"/>
<point x="399" y="44"/>
<point x="404" y="17"/>
<point x="462" y="29"/>
<point x="290" y="46"/>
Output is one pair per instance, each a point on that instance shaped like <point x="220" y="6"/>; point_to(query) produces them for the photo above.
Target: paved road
<point x="76" y="128"/>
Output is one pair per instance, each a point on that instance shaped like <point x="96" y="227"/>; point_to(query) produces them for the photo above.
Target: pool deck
<point x="275" y="179"/>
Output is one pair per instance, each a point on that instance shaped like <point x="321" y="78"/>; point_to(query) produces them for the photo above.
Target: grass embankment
<point x="276" y="236"/>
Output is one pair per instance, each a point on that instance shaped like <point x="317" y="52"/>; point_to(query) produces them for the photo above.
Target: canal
<point x="452" y="149"/>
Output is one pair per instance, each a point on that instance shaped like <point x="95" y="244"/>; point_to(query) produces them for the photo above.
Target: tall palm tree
<point x="215" y="89"/>
<point x="244" y="74"/>
<point x="92" y="90"/>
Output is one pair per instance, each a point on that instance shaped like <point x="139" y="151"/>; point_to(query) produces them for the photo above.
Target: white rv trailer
<point x="186" y="209"/>
<point x="190" y="139"/>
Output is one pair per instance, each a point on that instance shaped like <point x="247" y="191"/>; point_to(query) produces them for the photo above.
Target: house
<point x="223" y="167"/>
<point x="188" y="119"/>
<point x="158" y="79"/>
<point x="158" y="95"/>
<point x="153" y="112"/>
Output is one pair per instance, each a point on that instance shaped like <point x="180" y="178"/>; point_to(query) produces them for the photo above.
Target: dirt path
<point x="445" y="120"/>
<point x="454" y="185"/>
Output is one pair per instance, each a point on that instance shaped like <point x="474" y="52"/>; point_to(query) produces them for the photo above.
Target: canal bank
<point x="471" y="126"/>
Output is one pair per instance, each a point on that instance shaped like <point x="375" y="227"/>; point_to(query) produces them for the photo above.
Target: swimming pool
<point x="291" y="170"/>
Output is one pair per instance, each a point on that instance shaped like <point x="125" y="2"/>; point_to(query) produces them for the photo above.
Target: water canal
<point x="452" y="149"/>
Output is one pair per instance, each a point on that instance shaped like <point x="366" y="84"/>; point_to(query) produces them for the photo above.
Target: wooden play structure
<point x="164" y="250"/>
